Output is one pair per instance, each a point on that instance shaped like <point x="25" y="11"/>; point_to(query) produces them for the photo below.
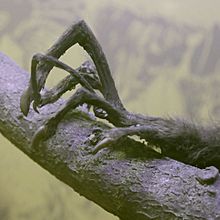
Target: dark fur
<point x="190" y="143"/>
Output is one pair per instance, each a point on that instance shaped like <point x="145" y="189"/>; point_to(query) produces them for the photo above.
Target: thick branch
<point x="128" y="181"/>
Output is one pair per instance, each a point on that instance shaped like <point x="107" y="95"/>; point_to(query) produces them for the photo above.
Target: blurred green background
<point x="165" y="59"/>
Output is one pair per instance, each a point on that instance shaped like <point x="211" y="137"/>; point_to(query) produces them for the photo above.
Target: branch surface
<point x="126" y="180"/>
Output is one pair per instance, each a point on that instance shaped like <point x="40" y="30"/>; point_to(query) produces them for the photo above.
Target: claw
<point x="102" y="144"/>
<point x="110" y="137"/>
<point x="25" y="102"/>
<point x="35" y="107"/>
<point x="43" y="133"/>
<point x="113" y="135"/>
<point x="39" y="135"/>
<point x="37" y="100"/>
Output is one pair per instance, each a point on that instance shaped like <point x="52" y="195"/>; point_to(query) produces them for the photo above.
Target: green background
<point x="164" y="56"/>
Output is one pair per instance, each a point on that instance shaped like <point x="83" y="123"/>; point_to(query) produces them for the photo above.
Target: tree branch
<point x="128" y="181"/>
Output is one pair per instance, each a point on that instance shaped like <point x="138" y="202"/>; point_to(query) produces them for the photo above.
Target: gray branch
<point x="121" y="179"/>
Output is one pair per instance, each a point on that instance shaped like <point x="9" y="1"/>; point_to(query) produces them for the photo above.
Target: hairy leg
<point x="78" y="33"/>
<point x="81" y="96"/>
<point x="177" y="139"/>
<point x="37" y="58"/>
<point x="112" y="136"/>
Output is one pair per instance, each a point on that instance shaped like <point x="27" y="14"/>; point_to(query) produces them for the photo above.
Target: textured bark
<point x="126" y="180"/>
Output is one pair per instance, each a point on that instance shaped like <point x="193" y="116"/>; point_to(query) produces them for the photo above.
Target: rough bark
<point x="126" y="180"/>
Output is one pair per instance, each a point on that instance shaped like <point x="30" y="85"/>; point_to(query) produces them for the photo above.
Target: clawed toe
<point x="25" y="101"/>
<point x="35" y="107"/>
<point x="102" y="144"/>
<point x="107" y="138"/>
<point x="43" y="133"/>
<point x="39" y="135"/>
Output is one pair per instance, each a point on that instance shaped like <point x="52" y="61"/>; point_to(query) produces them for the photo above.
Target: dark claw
<point x="109" y="138"/>
<point x="44" y="132"/>
<point x="25" y="101"/>
<point x="102" y="144"/>
<point x="39" y="135"/>
<point x="35" y="107"/>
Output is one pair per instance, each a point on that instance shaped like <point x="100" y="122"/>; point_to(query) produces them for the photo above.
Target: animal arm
<point x="77" y="33"/>
<point x="177" y="139"/>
